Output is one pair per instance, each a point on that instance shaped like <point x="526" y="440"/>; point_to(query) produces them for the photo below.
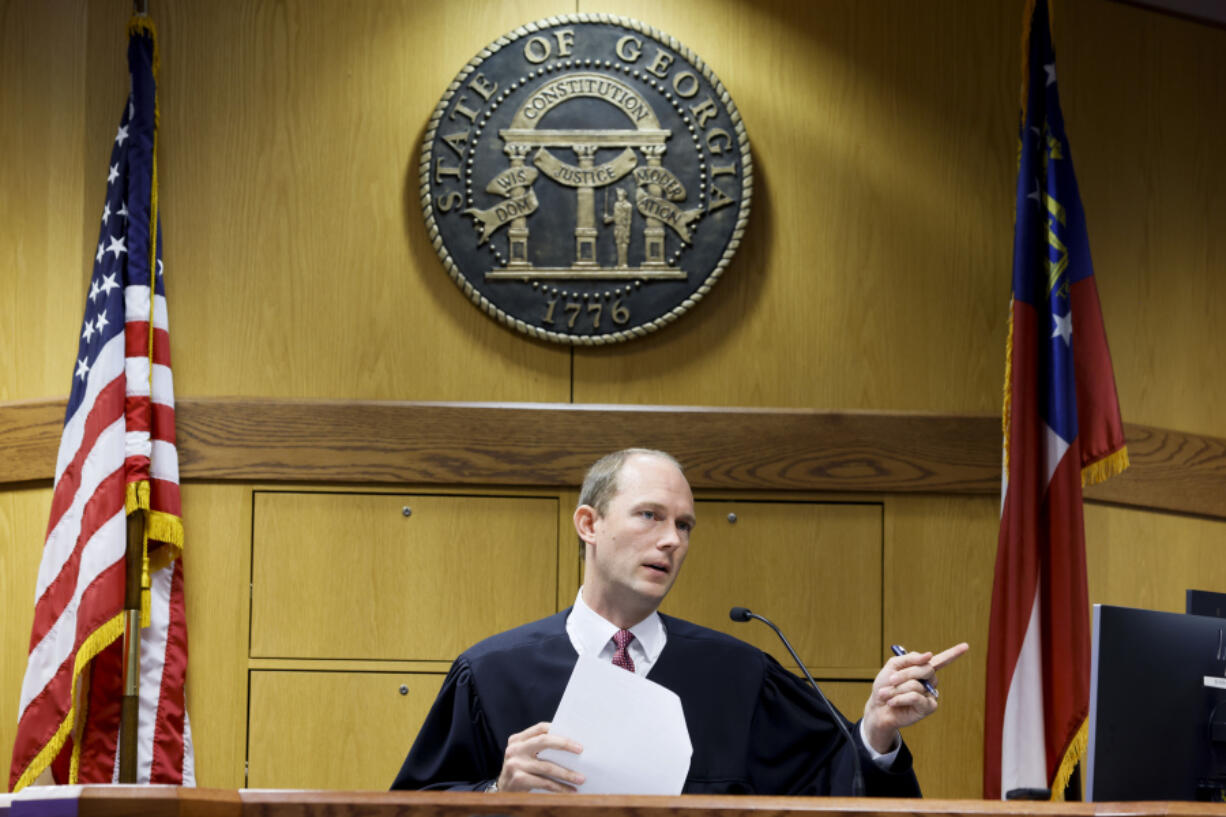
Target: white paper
<point x="632" y="731"/>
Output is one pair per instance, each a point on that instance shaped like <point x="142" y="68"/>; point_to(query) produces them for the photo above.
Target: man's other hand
<point x="522" y="770"/>
<point x="899" y="698"/>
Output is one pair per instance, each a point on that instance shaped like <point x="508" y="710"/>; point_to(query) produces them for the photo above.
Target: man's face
<point x="635" y="549"/>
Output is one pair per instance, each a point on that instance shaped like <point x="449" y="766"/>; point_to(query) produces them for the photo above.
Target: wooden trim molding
<point x="146" y="801"/>
<point x="530" y="444"/>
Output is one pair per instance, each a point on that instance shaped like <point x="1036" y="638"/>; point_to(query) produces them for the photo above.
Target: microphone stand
<point x="857" y="781"/>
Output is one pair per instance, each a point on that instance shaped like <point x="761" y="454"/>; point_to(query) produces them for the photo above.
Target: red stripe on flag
<point x="137" y="468"/>
<point x="1017" y="558"/>
<point x="1064" y="612"/>
<point x="100" y="736"/>
<point x="42" y="718"/>
<point x="168" y="731"/>
<point x="137" y="412"/>
<point x="164" y="496"/>
<point x="1098" y="404"/>
<point x="105" y="503"/>
<point x="49" y="707"/>
<point x="100" y="601"/>
<point x="164" y="423"/>
<point x="107" y="408"/>
<point x="136" y="342"/>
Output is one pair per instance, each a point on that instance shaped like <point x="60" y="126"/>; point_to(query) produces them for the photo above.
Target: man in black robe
<point x="755" y="727"/>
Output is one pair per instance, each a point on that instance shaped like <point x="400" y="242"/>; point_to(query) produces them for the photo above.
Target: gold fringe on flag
<point x="97" y="641"/>
<point x="1007" y="411"/>
<point x="160" y="527"/>
<point x="1105" y="468"/>
<point x="1072" y="756"/>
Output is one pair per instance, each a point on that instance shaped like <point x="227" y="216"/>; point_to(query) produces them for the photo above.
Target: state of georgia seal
<point x="586" y="179"/>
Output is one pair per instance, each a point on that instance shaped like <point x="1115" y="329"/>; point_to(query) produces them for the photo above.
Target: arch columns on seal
<point x="517" y="233"/>
<point x="653" y="231"/>
<point x="585" y="210"/>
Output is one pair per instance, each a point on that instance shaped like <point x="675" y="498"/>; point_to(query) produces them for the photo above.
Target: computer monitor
<point x="1205" y="603"/>
<point x="1157" y="728"/>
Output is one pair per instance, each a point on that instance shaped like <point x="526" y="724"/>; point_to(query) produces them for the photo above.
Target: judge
<point x="755" y="727"/>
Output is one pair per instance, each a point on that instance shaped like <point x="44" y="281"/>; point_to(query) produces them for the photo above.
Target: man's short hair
<point x="600" y="484"/>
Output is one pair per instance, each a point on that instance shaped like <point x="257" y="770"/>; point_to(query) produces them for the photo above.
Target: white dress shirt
<point x="591" y="634"/>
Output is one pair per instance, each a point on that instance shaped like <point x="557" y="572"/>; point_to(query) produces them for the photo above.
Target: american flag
<point x="117" y="456"/>
<point x="1062" y="430"/>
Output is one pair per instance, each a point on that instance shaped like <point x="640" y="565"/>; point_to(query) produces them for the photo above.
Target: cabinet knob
<point x="731" y="519"/>
<point x="406" y="510"/>
<point x="404" y="689"/>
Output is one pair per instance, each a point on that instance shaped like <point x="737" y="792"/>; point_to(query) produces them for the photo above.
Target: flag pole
<point x="129" y="711"/>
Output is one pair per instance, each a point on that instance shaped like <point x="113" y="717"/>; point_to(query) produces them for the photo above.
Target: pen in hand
<point x="898" y="649"/>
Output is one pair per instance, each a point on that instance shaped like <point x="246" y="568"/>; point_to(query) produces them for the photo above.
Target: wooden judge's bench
<point x="171" y="801"/>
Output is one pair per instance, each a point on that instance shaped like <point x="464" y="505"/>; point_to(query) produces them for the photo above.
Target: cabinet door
<point x="362" y="576"/>
<point x="848" y="697"/>
<point x="812" y="568"/>
<point x="334" y="730"/>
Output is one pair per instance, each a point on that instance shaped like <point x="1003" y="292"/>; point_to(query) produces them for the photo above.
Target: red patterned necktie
<point x="621" y="657"/>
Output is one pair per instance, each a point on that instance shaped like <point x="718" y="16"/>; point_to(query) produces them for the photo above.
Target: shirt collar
<point x="592" y="631"/>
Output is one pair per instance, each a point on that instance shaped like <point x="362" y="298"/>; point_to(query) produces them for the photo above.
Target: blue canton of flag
<point x="121" y="257"/>
<point x="1051" y="247"/>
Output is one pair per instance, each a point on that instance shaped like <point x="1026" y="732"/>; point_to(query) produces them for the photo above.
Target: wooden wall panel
<point x="356" y="734"/>
<point x="217" y="575"/>
<point x="874" y="274"/>
<point x="940" y="553"/>
<point x="42" y="99"/>
<point x="350" y="576"/>
<point x="848" y="697"/>
<point x="875" y="271"/>
<point x="875" y="268"/>
<point x="940" y="558"/>
<point x="813" y="568"/>
<point x="1138" y="559"/>
<point x="1144" y="98"/>
<point x="296" y="255"/>
<point x="23" y="524"/>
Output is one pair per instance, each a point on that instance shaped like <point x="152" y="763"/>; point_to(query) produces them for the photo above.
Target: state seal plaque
<point x="586" y="179"/>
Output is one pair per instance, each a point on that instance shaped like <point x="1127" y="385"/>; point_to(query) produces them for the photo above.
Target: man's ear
<point x="585" y="523"/>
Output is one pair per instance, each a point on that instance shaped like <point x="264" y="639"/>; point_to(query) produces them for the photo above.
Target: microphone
<point x="857" y="781"/>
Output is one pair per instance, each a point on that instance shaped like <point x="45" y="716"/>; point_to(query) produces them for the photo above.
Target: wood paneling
<point x="552" y="446"/>
<point x="217" y="575"/>
<point x="145" y="801"/>
<point x="814" y="569"/>
<point x="296" y="252"/>
<point x="1144" y="100"/>
<point x="1138" y="559"/>
<point x="848" y="697"/>
<point x="42" y="268"/>
<point x="939" y="560"/>
<point x="874" y="276"/>
<point x="334" y="730"/>
<point x="362" y="725"/>
<point x="23" y="525"/>
<point x="352" y="576"/>
<point x="884" y="161"/>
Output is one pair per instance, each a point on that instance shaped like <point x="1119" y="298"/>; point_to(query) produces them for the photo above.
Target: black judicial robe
<point x="755" y="728"/>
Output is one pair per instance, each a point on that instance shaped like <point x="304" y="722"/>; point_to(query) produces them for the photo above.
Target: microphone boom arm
<point x="857" y="782"/>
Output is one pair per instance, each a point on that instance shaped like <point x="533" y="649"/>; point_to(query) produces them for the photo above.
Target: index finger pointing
<point x="949" y="656"/>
